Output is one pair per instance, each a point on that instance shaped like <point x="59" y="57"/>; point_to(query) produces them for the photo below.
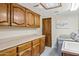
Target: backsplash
<point x="13" y="31"/>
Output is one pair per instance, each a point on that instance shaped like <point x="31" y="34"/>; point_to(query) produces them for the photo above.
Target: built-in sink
<point x="70" y="46"/>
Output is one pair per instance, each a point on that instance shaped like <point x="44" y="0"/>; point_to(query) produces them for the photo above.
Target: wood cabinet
<point x="25" y="49"/>
<point x="30" y="19"/>
<point x="26" y="52"/>
<point x="4" y="14"/>
<point x="36" y="50"/>
<point x="42" y="44"/>
<point x="37" y="21"/>
<point x="36" y="47"/>
<point x="17" y="15"/>
<point x="9" y="52"/>
<point x="31" y="48"/>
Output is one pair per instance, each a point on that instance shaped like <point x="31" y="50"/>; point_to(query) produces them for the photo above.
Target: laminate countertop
<point x="16" y="40"/>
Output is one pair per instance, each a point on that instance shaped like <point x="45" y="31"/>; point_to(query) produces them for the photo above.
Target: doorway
<point x="46" y="30"/>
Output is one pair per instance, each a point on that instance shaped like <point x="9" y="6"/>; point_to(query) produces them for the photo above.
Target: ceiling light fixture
<point x="48" y="6"/>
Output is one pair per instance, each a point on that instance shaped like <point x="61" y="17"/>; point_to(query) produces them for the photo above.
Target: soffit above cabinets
<point x="47" y="9"/>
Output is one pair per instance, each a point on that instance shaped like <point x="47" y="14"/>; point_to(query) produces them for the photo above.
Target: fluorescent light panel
<point x="51" y="5"/>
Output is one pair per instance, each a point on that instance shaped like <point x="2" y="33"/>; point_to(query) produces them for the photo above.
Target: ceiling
<point x="43" y="12"/>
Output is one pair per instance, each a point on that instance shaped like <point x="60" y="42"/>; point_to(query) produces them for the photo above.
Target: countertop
<point x="16" y="40"/>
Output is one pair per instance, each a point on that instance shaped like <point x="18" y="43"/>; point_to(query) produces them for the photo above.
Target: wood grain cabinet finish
<point x="42" y="44"/>
<point x="26" y="52"/>
<point x="36" y="47"/>
<point x="17" y="15"/>
<point x="25" y="49"/>
<point x="37" y="21"/>
<point x="36" y="50"/>
<point x="9" y="52"/>
<point x="32" y="48"/>
<point x="4" y="14"/>
<point x="30" y="19"/>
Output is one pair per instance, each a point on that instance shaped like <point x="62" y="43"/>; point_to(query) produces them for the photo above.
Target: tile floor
<point x="49" y="52"/>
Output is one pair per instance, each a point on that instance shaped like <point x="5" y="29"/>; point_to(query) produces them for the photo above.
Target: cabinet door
<point x="36" y="47"/>
<point x="17" y="15"/>
<point x="27" y="52"/>
<point x="30" y="19"/>
<point x="42" y="44"/>
<point x="25" y="49"/>
<point x="36" y="50"/>
<point x="4" y="14"/>
<point x="24" y="46"/>
<point x="37" y="21"/>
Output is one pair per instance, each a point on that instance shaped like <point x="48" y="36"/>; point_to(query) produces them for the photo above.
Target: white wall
<point x="73" y="25"/>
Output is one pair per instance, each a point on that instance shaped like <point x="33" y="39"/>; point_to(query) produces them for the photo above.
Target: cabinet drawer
<point x="36" y="41"/>
<point x="9" y="52"/>
<point x="27" y="52"/>
<point x="24" y="46"/>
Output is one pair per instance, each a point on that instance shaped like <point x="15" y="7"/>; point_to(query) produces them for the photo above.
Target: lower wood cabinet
<point x="36" y="47"/>
<point x="31" y="48"/>
<point x="9" y="52"/>
<point x="42" y="44"/>
<point x="36" y="50"/>
<point x="25" y="49"/>
<point x="26" y="52"/>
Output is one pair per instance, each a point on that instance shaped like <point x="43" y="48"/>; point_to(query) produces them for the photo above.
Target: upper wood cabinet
<point x="37" y="20"/>
<point x="4" y="14"/>
<point x="17" y="15"/>
<point x="30" y="19"/>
